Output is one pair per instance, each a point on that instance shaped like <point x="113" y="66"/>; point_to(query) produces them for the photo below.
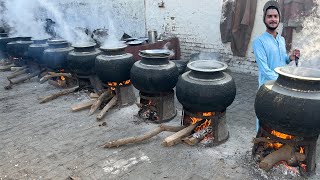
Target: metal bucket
<point x="152" y="36"/>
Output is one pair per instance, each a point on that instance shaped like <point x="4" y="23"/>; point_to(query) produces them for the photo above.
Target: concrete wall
<point x="127" y="15"/>
<point x="197" y="24"/>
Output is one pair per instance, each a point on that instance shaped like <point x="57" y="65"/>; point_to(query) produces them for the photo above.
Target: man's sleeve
<point x="261" y="59"/>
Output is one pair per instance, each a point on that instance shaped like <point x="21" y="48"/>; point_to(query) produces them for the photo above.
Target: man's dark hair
<point x="270" y="5"/>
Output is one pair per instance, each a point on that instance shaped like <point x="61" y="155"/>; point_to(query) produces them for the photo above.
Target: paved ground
<point x="48" y="141"/>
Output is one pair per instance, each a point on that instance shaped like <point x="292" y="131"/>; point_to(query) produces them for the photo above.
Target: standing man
<point x="270" y="48"/>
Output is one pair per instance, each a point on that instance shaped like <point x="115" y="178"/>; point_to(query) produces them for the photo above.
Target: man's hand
<point x="293" y="54"/>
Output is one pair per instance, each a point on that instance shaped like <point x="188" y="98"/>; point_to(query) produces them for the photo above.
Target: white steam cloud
<point x="71" y="17"/>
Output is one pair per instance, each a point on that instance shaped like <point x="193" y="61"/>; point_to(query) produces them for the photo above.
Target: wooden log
<point x="16" y="74"/>
<point x="56" y="95"/>
<point x="262" y="140"/>
<point x="98" y="102"/>
<point x="22" y="79"/>
<point x="191" y="140"/>
<point x="285" y="153"/>
<point x="177" y="137"/>
<point x="16" y="69"/>
<point x="138" y="139"/>
<point x="94" y="95"/>
<point x="6" y="67"/>
<point x="52" y="74"/>
<point x="82" y="105"/>
<point x="110" y="104"/>
<point x="57" y="84"/>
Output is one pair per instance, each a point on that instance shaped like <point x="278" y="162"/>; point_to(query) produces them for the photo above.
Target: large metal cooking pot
<point x="55" y="56"/>
<point x="114" y="64"/>
<point x="19" y="48"/>
<point x="82" y="59"/>
<point x="291" y="103"/>
<point x="154" y="73"/>
<point x="36" y="49"/>
<point x="206" y="88"/>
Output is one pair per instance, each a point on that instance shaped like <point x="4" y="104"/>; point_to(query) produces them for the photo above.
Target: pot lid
<point x="303" y="73"/>
<point x="135" y="42"/>
<point x="207" y="66"/>
<point x="155" y="52"/>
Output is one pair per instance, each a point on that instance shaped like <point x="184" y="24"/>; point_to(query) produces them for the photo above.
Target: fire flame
<point x="203" y="125"/>
<point x="62" y="78"/>
<point x="279" y="135"/>
<point x="112" y="85"/>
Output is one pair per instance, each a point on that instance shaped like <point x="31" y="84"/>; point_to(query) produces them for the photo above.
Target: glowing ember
<point x="62" y="78"/>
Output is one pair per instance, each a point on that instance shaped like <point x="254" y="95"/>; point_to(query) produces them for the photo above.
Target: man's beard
<point x="271" y="28"/>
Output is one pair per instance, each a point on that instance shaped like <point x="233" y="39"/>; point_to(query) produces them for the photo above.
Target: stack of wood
<point x="105" y="99"/>
<point x="183" y="134"/>
<point x="288" y="153"/>
<point x="20" y="74"/>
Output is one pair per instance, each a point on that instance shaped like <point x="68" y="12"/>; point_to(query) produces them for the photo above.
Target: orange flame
<point x="195" y="120"/>
<point x="207" y="123"/>
<point x="301" y="150"/>
<point x="115" y="84"/>
<point x="203" y="125"/>
<point x="208" y="113"/>
<point x="281" y="135"/>
<point x="62" y="78"/>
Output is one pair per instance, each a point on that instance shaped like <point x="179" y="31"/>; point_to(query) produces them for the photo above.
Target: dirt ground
<point x="48" y="141"/>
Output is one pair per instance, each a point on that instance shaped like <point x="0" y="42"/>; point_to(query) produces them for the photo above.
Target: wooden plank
<point x="177" y="137"/>
<point x="82" y="105"/>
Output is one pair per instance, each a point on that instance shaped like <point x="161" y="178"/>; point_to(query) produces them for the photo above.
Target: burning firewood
<point x="58" y="84"/>
<point x="82" y="105"/>
<point x="110" y="104"/>
<point x="195" y="138"/>
<point x="17" y="73"/>
<point x="56" y="95"/>
<point x="177" y="137"/>
<point x="138" y="139"/>
<point x="99" y="101"/>
<point x="22" y="79"/>
<point x="52" y="74"/>
<point x="285" y="153"/>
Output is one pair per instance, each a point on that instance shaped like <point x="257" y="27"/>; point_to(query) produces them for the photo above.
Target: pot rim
<point x="206" y="65"/>
<point x="114" y="47"/>
<point x="279" y="71"/>
<point x="84" y="45"/>
<point x="56" y="41"/>
<point x="154" y="53"/>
